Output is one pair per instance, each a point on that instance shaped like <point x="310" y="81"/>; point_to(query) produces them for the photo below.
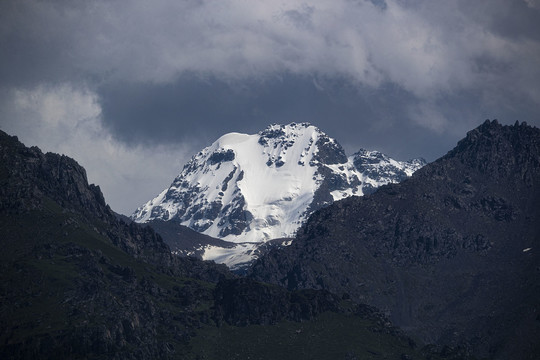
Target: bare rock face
<point x="451" y="254"/>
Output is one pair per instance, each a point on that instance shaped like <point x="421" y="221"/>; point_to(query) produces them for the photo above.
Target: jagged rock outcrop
<point x="451" y="254"/>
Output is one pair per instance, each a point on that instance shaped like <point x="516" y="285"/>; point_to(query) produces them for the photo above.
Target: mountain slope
<point x="78" y="283"/>
<point x="451" y="254"/>
<point x="253" y="188"/>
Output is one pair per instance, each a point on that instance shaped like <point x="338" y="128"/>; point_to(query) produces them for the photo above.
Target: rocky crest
<point x="450" y="254"/>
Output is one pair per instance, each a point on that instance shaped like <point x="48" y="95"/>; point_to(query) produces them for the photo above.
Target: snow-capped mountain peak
<point x="253" y="188"/>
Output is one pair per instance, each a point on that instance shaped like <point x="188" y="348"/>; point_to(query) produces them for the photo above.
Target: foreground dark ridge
<point x="76" y="282"/>
<point x="451" y="255"/>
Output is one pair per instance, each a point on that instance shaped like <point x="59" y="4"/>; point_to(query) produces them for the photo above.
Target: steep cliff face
<point x="451" y="254"/>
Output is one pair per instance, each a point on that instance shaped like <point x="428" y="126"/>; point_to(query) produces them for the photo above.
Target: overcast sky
<point x="132" y="89"/>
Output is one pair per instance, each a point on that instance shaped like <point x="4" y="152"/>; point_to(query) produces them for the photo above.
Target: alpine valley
<point x="254" y="191"/>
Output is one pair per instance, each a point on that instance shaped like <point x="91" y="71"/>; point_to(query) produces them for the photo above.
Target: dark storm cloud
<point x="386" y="118"/>
<point x="201" y="110"/>
<point x="212" y="107"/>
<point x="514" y="19"/>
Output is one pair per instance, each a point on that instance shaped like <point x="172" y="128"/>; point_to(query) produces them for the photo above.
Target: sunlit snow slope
<point x="253" y="188"/>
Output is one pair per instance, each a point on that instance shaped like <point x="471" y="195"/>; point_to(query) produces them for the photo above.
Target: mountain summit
<point x="253" y="188"/>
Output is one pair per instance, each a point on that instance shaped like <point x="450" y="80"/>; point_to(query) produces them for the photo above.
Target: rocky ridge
<point x="77" y="281"/>
<point x="451" y="254"/>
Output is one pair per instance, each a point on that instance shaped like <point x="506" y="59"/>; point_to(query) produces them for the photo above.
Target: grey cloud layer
<point x="406" y="77"/>
<point x="421" y="46"/>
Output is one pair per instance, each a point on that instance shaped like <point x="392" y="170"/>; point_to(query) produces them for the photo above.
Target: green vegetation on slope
<point x="329" y="336"/>
<point x="61" y="281"/>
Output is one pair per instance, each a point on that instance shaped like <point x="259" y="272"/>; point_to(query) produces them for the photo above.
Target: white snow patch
<point x="239" y="254"/>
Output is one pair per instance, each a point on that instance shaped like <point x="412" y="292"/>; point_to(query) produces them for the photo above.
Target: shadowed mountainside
<point x="452" y="255"/>
<point x="78" y="282"/>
